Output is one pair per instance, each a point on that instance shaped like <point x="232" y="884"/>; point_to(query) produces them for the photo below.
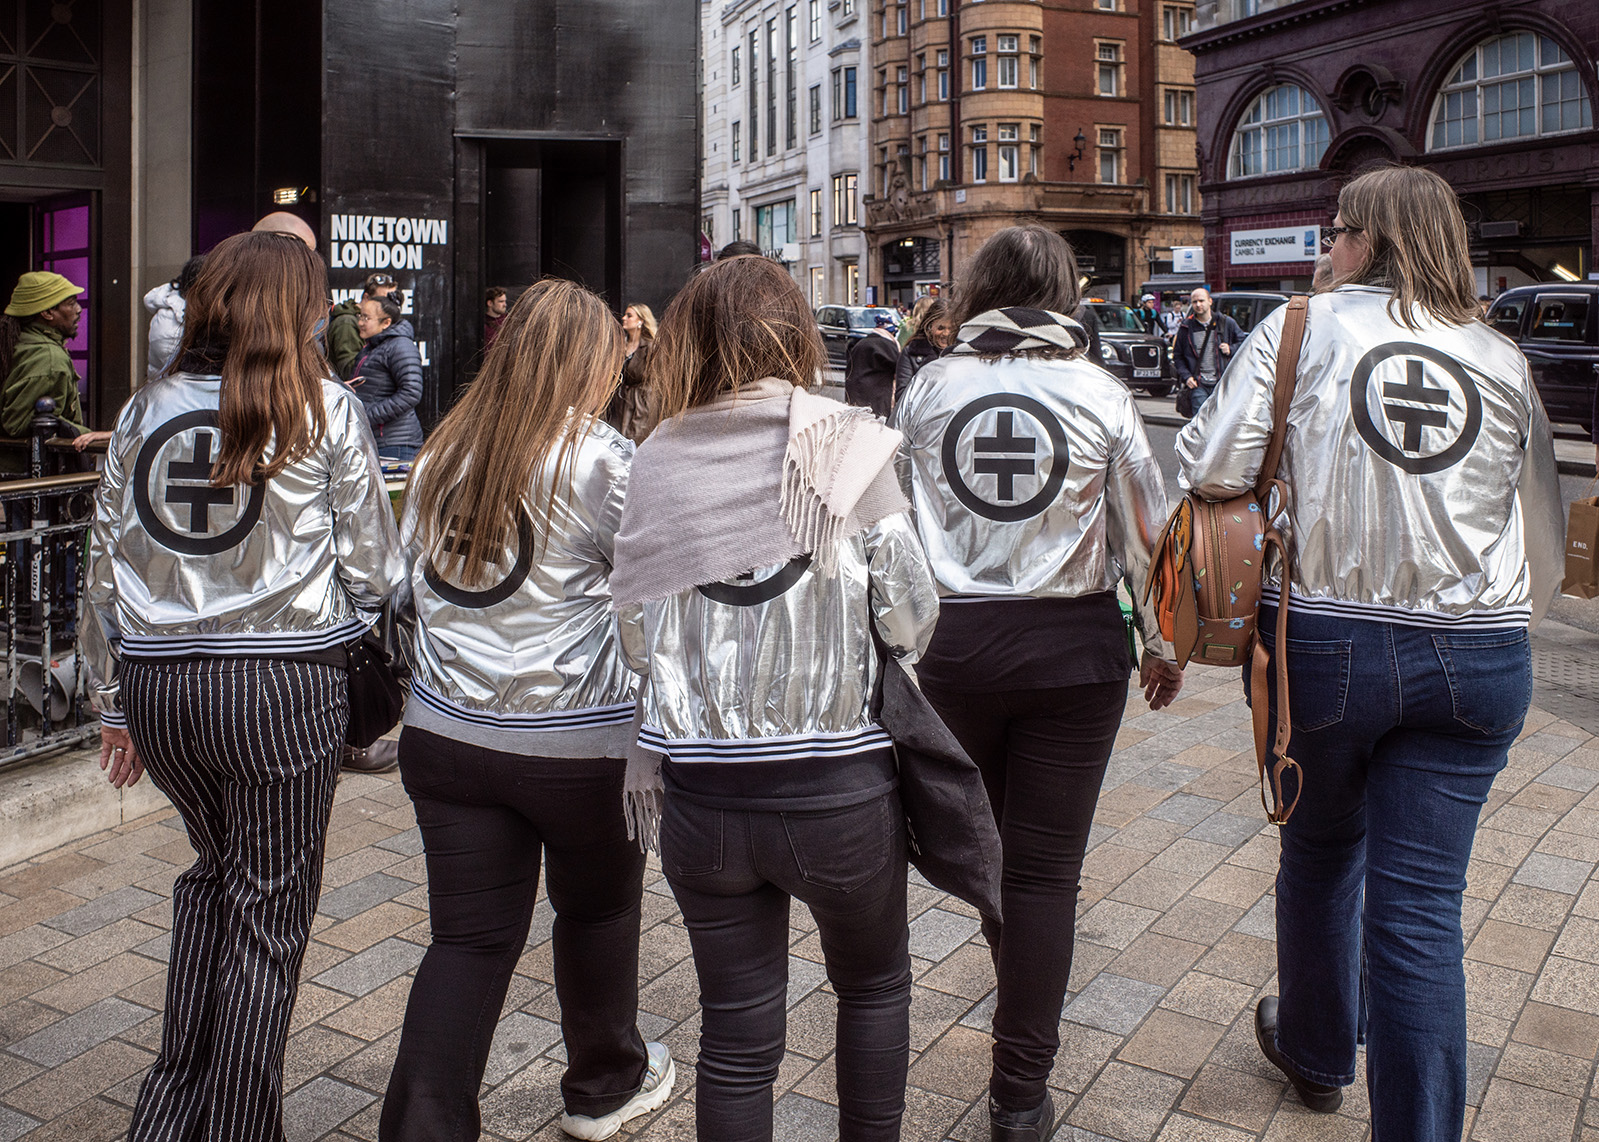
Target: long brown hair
<point x="737" y="321"/>
<point x="1026" y="266"/>
<point x="252" y="315"/>
<point x="547" y="377"/>
<point x="1416" y="243"/>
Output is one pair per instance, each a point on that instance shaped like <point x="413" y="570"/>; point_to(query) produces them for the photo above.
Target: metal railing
<point x="44" y="523"/>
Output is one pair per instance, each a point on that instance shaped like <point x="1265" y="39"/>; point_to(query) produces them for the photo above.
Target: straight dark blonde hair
<point x="739" y="320"/>
<point x="547" y="377"/>
<point x="252" y="313"/>
<point x="1416" y="242"/>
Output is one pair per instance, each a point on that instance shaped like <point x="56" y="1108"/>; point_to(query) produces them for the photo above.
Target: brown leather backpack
<point x="1206" y="574"/>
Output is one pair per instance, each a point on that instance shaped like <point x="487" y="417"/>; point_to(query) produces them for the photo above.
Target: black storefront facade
<point x="456" y="144"/>
<point x="1498" y="98"/>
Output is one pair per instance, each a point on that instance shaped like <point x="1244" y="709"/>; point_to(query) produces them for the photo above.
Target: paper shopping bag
<point x="1582" y="544"/>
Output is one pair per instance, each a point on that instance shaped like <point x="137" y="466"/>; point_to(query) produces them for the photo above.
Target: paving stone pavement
<point x="1175" y="944"/>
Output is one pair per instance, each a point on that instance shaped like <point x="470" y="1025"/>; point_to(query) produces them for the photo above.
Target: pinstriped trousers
<point x="248" y="749"/>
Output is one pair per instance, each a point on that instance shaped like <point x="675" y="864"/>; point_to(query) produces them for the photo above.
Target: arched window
<point x="1516" y="86"/>
<point x="1283" y="130"/>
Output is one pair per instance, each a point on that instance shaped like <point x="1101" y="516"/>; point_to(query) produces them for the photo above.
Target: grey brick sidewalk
<point x="1175" y="943"/>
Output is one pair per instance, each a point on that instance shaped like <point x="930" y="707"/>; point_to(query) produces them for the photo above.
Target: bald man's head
<point x="285" y="223"/>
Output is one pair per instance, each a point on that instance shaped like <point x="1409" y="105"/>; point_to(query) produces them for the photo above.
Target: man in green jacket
<point x="45" y="307"/>
<point x="344" y="340"/>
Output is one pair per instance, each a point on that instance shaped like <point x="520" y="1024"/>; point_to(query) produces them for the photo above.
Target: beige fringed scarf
<point x="746" y="482"/>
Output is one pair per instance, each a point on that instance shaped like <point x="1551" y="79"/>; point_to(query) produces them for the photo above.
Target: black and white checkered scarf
<point x="1016" y="328"/>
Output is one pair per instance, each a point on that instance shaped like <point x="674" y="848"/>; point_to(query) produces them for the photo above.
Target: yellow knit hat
<point x="39" y="290"/>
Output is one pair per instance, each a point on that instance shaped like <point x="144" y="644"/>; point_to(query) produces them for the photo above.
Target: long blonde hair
<point x="648" y="327"/>
<point x="1416" y="243"/>
<point x="546" y="379"/>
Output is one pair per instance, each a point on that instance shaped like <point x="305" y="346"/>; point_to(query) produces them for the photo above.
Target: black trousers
<point x="733" y="873"/>
<point x="248" y="750"/>
<point x="485" y="817"/>
<point x="1043" y="755"/>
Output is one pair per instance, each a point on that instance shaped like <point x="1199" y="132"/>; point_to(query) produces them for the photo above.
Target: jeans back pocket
<point x="1490" y="678"/>
<point x="691" y="838"/>
<point x="1318" y="680"/>
<point x="843" y="849"/>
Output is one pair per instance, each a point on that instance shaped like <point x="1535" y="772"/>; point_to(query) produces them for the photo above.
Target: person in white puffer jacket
<point x="165" y="306"/>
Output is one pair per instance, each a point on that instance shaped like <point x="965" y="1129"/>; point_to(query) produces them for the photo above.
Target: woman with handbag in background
<point x="764" y="535"/>
<point x="242" y="537"/>
<point x="1035" y="493"/>
<point x="518" y="724"/>
<point x="1425" y="521"/>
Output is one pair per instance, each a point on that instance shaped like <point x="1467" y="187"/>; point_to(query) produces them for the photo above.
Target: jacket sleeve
<point x="366" y="541"/>
<point x="1220" y="452"/>
<point x="904" y="598"/>
<point x="1183" y="353"/>
<point x="630" y="639"/>
<point x="904" y="370"/>
<point x="405" y="365"/>
<point x="1135" y="512"/>
<point x="1542" y="506"/>
<point x="344" y="345"/>
<point x="599" y="487"/>
<point x="101" y="632"/>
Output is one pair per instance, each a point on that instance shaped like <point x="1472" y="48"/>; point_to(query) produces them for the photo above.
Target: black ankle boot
<point x="1319" y="1097"/>
<point x="1021" y="1125"/>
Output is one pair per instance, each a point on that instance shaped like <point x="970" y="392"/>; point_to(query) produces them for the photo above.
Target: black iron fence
<point x="46" y="514"/>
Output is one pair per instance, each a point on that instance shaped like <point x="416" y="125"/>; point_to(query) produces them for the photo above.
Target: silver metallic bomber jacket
<point x="1423" y="487"/>
<point x="1031" y="477"/>
<point x="178" y="569"/>
<point x="780" y="664"/>
<point x="529" y="664"/>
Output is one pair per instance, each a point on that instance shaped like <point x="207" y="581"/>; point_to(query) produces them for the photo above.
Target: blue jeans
<point x="1400" y="732"/>
<point x="1202" y="394"/>
<point x="399" y="453"/>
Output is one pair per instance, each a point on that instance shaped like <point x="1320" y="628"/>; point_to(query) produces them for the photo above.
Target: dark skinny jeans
<point x="485" y="818"/>
<point x="1043" y="755"/>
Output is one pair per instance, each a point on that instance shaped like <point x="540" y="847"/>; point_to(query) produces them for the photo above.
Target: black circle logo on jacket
<point x="1016" y="461"/>
<point x="173" y="495"/>
<point x="1428" y="410"/>
<point x="748" y="591"/>
<point x="491" y="596"/>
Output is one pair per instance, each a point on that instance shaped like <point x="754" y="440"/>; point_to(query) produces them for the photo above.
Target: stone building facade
<point x="784" y="108"/>
<point x="1075" y="114"/>
<point x="1296" y="97"/>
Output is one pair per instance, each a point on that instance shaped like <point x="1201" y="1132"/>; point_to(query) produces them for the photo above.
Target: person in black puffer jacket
<point x="931" y="340"/>
<point x="388" y="377"/>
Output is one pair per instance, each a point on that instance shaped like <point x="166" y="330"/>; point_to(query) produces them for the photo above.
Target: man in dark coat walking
<point x="1205" y="342"/>
<point x="870" y="366"/>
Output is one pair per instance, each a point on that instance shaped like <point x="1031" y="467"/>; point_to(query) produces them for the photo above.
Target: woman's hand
<point x="88" y="438"/>
<point x="1162" y="681"/>
<point x="119" y="758"/>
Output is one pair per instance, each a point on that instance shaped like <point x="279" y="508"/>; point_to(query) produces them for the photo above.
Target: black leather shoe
<point x="381" y="756"/>
<point x="1316" y="1096"/>
<point x="1021" y="1125"/>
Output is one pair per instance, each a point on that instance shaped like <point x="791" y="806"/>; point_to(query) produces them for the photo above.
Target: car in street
<point x="1139" y="359"/>
<point x="1556" y="324"/>
<point x="1246" y="307"/>
<point x="843" y="325"/>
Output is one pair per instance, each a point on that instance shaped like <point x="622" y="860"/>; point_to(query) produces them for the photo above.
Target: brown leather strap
<point x="1272" y="759"/>
<point x="1292" y="340"/>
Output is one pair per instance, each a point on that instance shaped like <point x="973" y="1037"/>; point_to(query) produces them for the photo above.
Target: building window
<point x="943" y="76"/>
<point x="882" y="91"/>
<point x="1515" y="86"/>
<point x="1009" y="152"/>
<point x="816" y="213"/>
<point x="1035" y="49"/>
<point x="1105" y="5"/>
<point x="1110" y="154"/>
<point x="816" y="109"/>
<point x="844" y="199"/>
<point x="852" y="276"/>
<point x="816" y="20"/>
<point x="1283" y="130"/>
<point x="771" y="87"/>
<point x="979" y="63"/>
<point x="1110" y="68"/>
<point x="1175" y="22"/>
<point x="1179" y="194"/>
<point x="736" y="229"/>
<point x="1035" y="134"/>
<point x="849" y="8"/>
<point x="903" y="83"/>
<point x="943" y="157"/>
<point x="921" y="78"/>
<point x="843" y="93"/>
<point x="733" y="64"/>
<point x="818" y="287"/>
<point x="921" y="162"/>
<point x="706" y="225"/>
<point x="943" y="7"/>
<point x="979" y="154"/>
<point x="755" y="105"/>
<point x="1009" y="65"/>
<point x="774" y="225"/>
<point x="735" y="140"/>
<point x="1179" y="108"/>
<point x="900" y="20"/>
<point x="791" y="80"/>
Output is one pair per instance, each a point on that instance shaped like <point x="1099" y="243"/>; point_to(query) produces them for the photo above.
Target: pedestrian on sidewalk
<point x="632" y="408"/>
<point x="387" y="376"/>
<point x="518" y="725"/>
<point x="764" y="536"/>
<point x="1036" y="494"/>
<point x="242" y="537"/>
<point x="42" y="316"/>
<point x="165" y="305"/>
<point x="1204" y="346"/>
<point x="931" y="340"/>
<point x="1425" y="517"/>
<point x="343" y="337"/>
<point x="870" y="367"/>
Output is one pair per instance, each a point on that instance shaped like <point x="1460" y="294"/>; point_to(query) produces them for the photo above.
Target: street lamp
<point x="1071" y="160"/>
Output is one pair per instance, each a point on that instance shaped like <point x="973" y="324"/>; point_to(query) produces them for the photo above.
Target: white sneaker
<point x="656" y="1089"/>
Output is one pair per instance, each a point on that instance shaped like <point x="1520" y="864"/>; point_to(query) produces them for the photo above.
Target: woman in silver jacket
<point x="1424" y="521"/>
<point x="763" y="539"/>
<point x="242" y="536"/>
<point x="1037" y="495"/>
<point x="518" y="723"/>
